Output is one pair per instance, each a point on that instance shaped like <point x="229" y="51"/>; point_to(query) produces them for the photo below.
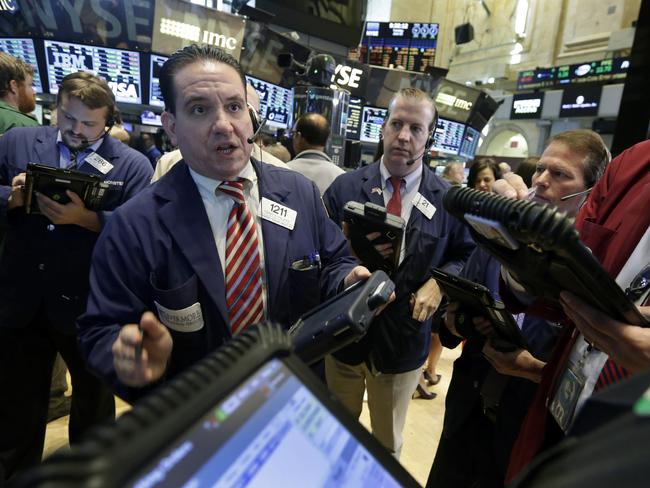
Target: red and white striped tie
<point x="243" y="271"/>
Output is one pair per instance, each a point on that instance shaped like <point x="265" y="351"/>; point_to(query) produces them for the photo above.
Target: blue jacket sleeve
<point x="118" y="282"/>
<point x="335" y="254"/>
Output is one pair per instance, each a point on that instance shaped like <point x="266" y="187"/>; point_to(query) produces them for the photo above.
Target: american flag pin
<point x="376" y="190"/>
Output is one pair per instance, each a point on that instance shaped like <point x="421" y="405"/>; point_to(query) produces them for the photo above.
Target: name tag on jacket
<point x="189" y="319"/>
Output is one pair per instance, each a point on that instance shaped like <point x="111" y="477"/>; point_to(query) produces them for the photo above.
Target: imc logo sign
<point x="8" y="6"/>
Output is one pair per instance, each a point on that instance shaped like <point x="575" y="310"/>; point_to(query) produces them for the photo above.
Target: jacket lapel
<point x="371" y="185"/>
<point x="183" y="213"/>
<point x="45" y="141"/>
<point x="276" y="238"/>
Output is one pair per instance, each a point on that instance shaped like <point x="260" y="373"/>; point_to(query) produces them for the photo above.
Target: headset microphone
<point x="251" y="139"/>
<point x="412" y="161"/>
<point x="95" y="139"/>
<point x="573" y="195"/>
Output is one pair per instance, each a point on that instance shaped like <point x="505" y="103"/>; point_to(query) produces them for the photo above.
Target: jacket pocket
<point x="178" y="308"/>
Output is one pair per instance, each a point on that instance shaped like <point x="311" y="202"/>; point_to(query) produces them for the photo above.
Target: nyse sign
<point x="125" y="24"/>
<point x="352" y="77"/>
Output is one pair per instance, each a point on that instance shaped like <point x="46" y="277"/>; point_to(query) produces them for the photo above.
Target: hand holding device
<point x="370" y="220"/>
<point x="141" y="351"/>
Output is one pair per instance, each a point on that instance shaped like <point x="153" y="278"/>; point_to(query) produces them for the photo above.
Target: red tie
<point x="395" y="203"/>
<point x="243" y="270"/>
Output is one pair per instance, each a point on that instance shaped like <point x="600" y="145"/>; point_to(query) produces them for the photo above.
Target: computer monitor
<point x="147" y="117"/>
<point x="25" y="50"/>
<point x="252" y="414"/>
<point x="155" y="95"/>
<point x="448" y="136"/>
<point x="372" y="119"/>
<point x="120" y="69"/>
<point x="276" y="103"/>
<point x="469" y="145"/>
<point x="353" y="127"/>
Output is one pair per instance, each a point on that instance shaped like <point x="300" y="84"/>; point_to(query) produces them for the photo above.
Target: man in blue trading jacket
<point x="389" y="358"/>
<point x="217" y="244"/>
<point x="45" y="264"/>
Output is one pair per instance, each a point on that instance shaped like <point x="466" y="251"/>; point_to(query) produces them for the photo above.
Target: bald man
<point x="169" y="159"/>
<point x="310" y="134"/>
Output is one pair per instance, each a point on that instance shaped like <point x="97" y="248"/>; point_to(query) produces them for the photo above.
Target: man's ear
<point x="169" y="123"/>
<point x="14" y="86"/>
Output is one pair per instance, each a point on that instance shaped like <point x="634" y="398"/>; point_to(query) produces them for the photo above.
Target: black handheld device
<point x="53" y="183"/>
<point x="477" y="301"/>
<point x="541" y="248"/>
<point x="340" y="320"/>
<point x="364" y="219"/>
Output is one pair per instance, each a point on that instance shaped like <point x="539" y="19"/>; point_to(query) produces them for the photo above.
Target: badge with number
<point x="99" y="163"/>
<point x="278" y="213"/>
<point x="423" y="205"/>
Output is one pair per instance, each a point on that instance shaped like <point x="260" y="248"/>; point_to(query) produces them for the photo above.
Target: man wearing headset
<point x="220" y="243"/>
<point x="389" y="359"/>
<point x="46" y="260"/>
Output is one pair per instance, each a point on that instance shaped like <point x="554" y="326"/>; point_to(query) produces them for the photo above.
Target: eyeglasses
<point x="640" y="284"/>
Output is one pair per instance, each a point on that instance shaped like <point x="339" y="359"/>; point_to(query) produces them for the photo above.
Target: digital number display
<point x="120" y="69"/>
<point x="353" y="127"/>
<point x="391" y="44"/>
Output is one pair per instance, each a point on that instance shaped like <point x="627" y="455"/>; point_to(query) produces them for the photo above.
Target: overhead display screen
<point x="155" y="95"/>
<point x="24" y="49"/>
<point x="120" y="69"/>
<point x="527" y="105"/>
<point x="455" y="101"/>
<point x="391" y="44"/>
<point x="371" y="120"/>
<point x="591" y="72"/>
<point x="276" y="103"/>
<point x="353" y="128"/>
<point x="448" y="136"/>
<point x="468" y="147"/>
<point x="580" y="101"/>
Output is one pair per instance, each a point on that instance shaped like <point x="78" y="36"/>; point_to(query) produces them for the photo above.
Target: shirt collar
<point x="411" y="179"/>
<point x="210" y="185"/>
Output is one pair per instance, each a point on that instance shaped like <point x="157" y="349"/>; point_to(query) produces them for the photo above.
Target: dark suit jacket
<point x="159" y="248"/>
<point x="44" y="263"/>
<point x="396" y="342"/>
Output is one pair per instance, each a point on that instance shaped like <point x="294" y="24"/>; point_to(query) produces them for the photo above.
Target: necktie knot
<point x="235" y="190"/>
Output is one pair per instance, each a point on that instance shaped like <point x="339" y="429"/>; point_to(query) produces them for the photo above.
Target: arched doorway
<point x="509" y="143"/>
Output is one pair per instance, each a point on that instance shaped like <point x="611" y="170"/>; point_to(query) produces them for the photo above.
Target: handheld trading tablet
<point x="478" y="301"/>
<point x="540" y="246"/>
<point x="53" y="183"/>
<point x="364" y="219"/>
<point x="340" y="320"/>
<point x="250" y="414"/>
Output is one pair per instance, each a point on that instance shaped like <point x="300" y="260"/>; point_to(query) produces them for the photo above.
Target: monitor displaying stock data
<point x="276" y="103"/>
<point x="155" y="95"/>
<point x="448" y="137"/>
<point x="252" y="439"/>
<point x="120" y="69"/>
<point x="25" y="50"/>
<point x="371" y="120"/>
